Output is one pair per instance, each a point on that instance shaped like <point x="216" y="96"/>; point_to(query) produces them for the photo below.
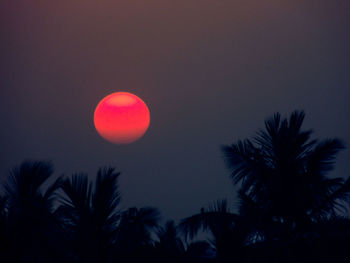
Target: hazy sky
<point x="210" y="72"/>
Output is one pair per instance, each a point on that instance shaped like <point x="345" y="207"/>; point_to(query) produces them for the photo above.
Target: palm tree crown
<point x="283" y="172"/>
<point x="89" y="212"/>
<point x="29" y="212"/>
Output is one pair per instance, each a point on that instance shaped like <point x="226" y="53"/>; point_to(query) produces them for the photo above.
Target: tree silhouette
<point x="283" y="173"/>
<point x="134" y="233"/>
<point x="29" y="214"/>
<point x="89" y="213"/>
<point x="171" y="248"/>
<point x="170" y="245"/>
<point x="284" y="188"/>
<point x="227" y="228"/>
<point x="289" y="210"/>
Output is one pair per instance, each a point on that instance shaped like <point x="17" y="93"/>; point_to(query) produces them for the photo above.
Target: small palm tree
<point x="29" y="212"/>
<point x="136" y="226"/>
<point x="170" y="246"/>
<point x="134" y="235"/>
<point x="283" y="174"/>
<point x="89" y="213"/>
<point x="228" y="229"/>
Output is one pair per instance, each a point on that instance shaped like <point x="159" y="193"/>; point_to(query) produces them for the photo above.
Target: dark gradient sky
<point x="210" y="72"/>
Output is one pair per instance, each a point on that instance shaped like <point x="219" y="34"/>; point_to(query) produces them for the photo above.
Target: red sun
<point x="121" y="118"/>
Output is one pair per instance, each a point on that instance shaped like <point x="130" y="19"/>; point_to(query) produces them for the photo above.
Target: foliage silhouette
<point x="228" y="229"/>
<point x="134" y="231"/>
<point x="29" y="214"/>
<point x="283" y="174"/>
<point x="288" y="210"/>
<point x="171" y="248"/>
<point x="89" y="213"/>
<point x="170" y="244"/>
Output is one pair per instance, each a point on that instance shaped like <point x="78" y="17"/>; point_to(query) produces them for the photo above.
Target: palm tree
<point x="89" y="213"/>
<point x="229" y="231"/>
<point x="283" y="175"/>
<point x="29" y="213"/>
<point x="134" y="234"/>
<point x="170" y="246"/>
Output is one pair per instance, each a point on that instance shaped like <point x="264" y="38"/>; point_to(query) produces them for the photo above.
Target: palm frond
<point x="77" y="190"/>
<point x="50" y="194"/>
<point x="26" y="180"/>
<point x="240" y="158"/>
<point x="338" y="197"/>
<point x="321" y="159"/>
<point x="149" y="216"/>
<point x="136" y="226"/>
<point x="213" y="218"/>
<point x="169" y="242"/>
<point x="106" y="197"/>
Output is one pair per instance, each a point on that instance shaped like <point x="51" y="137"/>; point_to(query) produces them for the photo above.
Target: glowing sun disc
<point x="121" y="118"/>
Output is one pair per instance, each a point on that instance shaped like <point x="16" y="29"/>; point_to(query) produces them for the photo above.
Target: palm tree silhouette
<point x="228" y="229"/>
<point x="29" y="213"/>
<point x="134" y="235"/>
<point x="289" y="210"/>
<point x="169" y="245"/>
<point x="283" y="175"/>
<point x="89" y="213"/>
<point x="284" y="192"/>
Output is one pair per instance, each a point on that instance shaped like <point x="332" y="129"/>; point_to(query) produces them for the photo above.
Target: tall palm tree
<point x="283" y="171"/>
<point x="29" y="213"/>
<point x="89" y="213"/>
